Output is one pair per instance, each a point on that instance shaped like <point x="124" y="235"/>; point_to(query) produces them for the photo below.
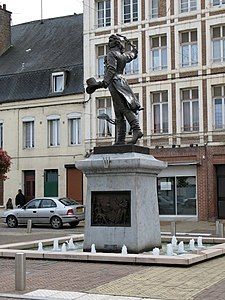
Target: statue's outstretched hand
<point x="93" y="85"/>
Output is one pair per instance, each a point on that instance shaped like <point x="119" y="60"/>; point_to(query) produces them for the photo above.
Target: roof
<point x="38" y="49"/>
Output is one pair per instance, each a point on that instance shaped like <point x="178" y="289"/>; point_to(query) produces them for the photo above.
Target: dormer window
<point x="58" y="80"/>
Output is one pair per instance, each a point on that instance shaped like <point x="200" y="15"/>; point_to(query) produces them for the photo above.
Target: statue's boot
<point x="137" y="133"/>
<point x="121" y="132"/>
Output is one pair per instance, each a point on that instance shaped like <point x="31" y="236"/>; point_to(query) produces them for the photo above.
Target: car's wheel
<point x="12" y="221"/>
<point x="74" y="224"/>
<point x="56" y="222"/>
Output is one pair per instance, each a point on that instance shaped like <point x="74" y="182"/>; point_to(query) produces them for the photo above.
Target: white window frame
<point x="58" y="82"/>
<point x="220" y="110"/>
<point x="132" y="8"/>
<point x="104" y="127"/>
<point x="161" y="105"/>
<point x="100" y="59"/>
<point x="160" y="50"/>
<point x="74" y="128"/>
<point x="217" y="3"/>
<point x="191" y="101"/>
<point x="53" y="130"/>
<point x="154" y="9"/>
<point x="104" y="13"/>
<point x="28" y="132"/>
<point x="133" y="66"/>
<point x="191" y="51"/>
<point x="220" y="41"/>
<point x="188" y="6"/>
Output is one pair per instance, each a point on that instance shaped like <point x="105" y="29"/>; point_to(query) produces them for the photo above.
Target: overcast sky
<point x="30" y="10"/>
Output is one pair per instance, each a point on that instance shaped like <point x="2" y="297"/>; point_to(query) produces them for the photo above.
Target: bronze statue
<point x="125" y="103"/>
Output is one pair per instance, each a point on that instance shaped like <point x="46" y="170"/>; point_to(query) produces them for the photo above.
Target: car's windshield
<point x="68" y="201"/>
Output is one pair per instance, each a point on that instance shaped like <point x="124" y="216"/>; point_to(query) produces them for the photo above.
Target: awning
<point x="184" y="163"/>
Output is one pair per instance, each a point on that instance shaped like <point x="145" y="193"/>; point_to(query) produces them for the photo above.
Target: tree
<point x="5" y="163"/>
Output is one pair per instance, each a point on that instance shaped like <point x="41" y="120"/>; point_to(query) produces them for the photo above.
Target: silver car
<point x="46" y="210"/>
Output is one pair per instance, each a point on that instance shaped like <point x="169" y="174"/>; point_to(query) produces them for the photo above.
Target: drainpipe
<point x="18" y="139"/>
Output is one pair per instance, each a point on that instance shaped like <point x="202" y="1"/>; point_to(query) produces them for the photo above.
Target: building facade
<point x="179" y="80"/>
<point x="42" y="106"/>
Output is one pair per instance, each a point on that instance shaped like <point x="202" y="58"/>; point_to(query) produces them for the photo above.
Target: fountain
<point x="55" y="245"/>
<point x="173" y="248"/>
<point x="93" y="251"/>
<point x="71" y="244"/>
<point x="200" y="242"/>
<point x="63" y="248"/>
<point x="40" y="247"/>
<point x="169" y="250"/>
<point x="174" y="242"/>
<point x="192" y="245"/>
<point x="156" y="251"/>
<point x="164" y="255"/>
<point x="181" y="248"/>
<point x="124" y="250"/>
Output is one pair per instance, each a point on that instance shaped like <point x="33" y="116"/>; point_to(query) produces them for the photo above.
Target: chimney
<point x="5" y="29"/>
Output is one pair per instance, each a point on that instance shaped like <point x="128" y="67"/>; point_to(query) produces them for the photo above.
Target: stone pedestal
<point x="122" y="205"/>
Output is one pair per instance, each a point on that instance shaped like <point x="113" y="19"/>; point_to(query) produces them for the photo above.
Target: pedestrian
<point x="125" y="103"/>
<point x="9" y="204"/>
<point x="20" y="198"/>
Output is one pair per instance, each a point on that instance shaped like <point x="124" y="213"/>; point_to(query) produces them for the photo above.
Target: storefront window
<point x="177" y="195"/>
<point x="166" y="195"/>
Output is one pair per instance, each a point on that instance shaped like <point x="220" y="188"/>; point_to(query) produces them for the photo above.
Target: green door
<point x="51" y="183"/>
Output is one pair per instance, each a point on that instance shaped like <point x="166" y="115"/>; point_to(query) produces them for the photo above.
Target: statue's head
<point x="115" y="41"/>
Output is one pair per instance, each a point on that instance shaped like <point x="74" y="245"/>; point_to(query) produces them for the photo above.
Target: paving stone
<point x="103" y="281"/>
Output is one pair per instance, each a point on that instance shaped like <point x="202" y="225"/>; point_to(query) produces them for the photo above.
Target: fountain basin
<point x="186" y="259"/>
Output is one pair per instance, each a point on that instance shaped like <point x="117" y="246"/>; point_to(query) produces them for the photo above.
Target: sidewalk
<point x="102" y="281"/>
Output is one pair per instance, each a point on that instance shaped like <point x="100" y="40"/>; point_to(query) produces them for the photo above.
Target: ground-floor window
<point x="177" y="195"/>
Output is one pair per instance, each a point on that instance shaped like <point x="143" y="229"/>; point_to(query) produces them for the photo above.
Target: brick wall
<point x="143" y="52"/>
<point x="202" y="4"/>
<point x="143" y="10"/>
<point x="5" y="30"/>
<point x="205" y="104"/>
<point x="174" y="111"/>
<point x="172" y="7"/>
<point x="203" y="44"/>
<point x="162" y="8"/>
<point x="115" y="12"/>
<point x="172" y="48"/>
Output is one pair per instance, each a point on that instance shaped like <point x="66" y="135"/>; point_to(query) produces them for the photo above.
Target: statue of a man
<point x="125" y="103"/>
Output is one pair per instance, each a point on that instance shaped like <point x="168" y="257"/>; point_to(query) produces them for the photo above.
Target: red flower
<point x="5" y="163"/>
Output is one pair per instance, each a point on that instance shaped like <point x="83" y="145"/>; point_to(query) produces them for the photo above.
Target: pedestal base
<point x="122" y="205"/>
